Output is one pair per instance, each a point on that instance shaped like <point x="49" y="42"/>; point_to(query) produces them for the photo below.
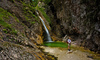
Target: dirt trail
<point x="62" y="53"/>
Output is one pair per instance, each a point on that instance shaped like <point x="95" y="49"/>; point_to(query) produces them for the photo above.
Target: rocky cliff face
<point x="77" y="18"/>
<point x="20" y="31"/>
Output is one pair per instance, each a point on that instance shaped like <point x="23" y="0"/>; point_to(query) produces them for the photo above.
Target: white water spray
<point x="47" y="32"/>
<point x="48" y="35"/>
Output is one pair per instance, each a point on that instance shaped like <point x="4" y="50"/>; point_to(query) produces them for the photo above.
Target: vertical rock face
<point x="20" y="32"/>
<point x="77" y="18"/>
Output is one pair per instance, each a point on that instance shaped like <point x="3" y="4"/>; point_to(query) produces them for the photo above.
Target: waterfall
<point x="47" y="32"/>
<point x="48" y="35"/>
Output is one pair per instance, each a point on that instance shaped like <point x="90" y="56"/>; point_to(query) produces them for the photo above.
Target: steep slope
<point x="78" y="19"/>
<point x="20" y="31"/>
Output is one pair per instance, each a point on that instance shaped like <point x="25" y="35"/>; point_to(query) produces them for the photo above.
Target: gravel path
<point x="63" y="54"/>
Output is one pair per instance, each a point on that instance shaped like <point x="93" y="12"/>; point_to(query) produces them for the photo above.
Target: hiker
<point x="69" y="43"/>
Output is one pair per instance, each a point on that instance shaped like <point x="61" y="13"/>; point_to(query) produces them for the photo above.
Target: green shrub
<point x="44" y="14"/>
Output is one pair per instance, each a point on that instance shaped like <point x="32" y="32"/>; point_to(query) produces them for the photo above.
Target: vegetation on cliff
<point x="20" y="29"/>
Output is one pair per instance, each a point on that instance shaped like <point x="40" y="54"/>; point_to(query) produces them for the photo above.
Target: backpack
<point x="66" y="41"/>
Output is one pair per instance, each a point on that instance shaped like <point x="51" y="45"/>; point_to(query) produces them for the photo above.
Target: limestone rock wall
<point x="79" y="19"/>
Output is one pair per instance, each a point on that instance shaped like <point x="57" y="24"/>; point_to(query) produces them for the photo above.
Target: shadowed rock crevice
<point x="78" y="19"/>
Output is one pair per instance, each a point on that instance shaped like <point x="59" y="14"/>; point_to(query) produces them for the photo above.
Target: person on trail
<point x="69" y="43"/>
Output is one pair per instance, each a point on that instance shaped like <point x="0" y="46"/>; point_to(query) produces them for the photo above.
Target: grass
<point x="45" y="1"/>
<point x="29" y="9"/>
<point x="8" y="26"/>
<point x="35" y="2"/>
<point x="33" y="22"/>
<point x="4" y="15"/>
<point x="13" y="31"/>
<point x="41" y="9"/>
<point x="44" y="13"/>
<point x="5" y="30"/>
<point x="55" y="44"/>
<point x="3" y="23"/>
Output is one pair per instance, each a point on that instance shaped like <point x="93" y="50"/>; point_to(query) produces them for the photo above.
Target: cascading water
<point x="48" y="35"/>
<point x="47" y="32"/>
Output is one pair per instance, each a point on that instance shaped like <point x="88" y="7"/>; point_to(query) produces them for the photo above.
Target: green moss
<point x="33" y="22"/>
<point x="12" y="39"/>
<point x="29" y="10"/>
<point x="13" y="32"/>
<point x="5" y="30"/>
<point x="35" y="2"/>
<point x="8" y="26"/>
<point x="26" y="18"/>
<point x="16" y="18"/>
<point x="46" y="1"/>
<point x="3" y="23"/>
<point x="36" y="18"/>
<point x="28" y="7"/>
<point x="56" y="44"/>
<point x="4" y="15"/>
<point x="44" y="14"/>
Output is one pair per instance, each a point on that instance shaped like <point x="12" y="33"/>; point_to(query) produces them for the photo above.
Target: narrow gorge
<point x="26" y="24"/>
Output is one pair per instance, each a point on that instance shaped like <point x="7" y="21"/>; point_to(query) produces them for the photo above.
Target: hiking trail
<point x="62" y="53"/>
